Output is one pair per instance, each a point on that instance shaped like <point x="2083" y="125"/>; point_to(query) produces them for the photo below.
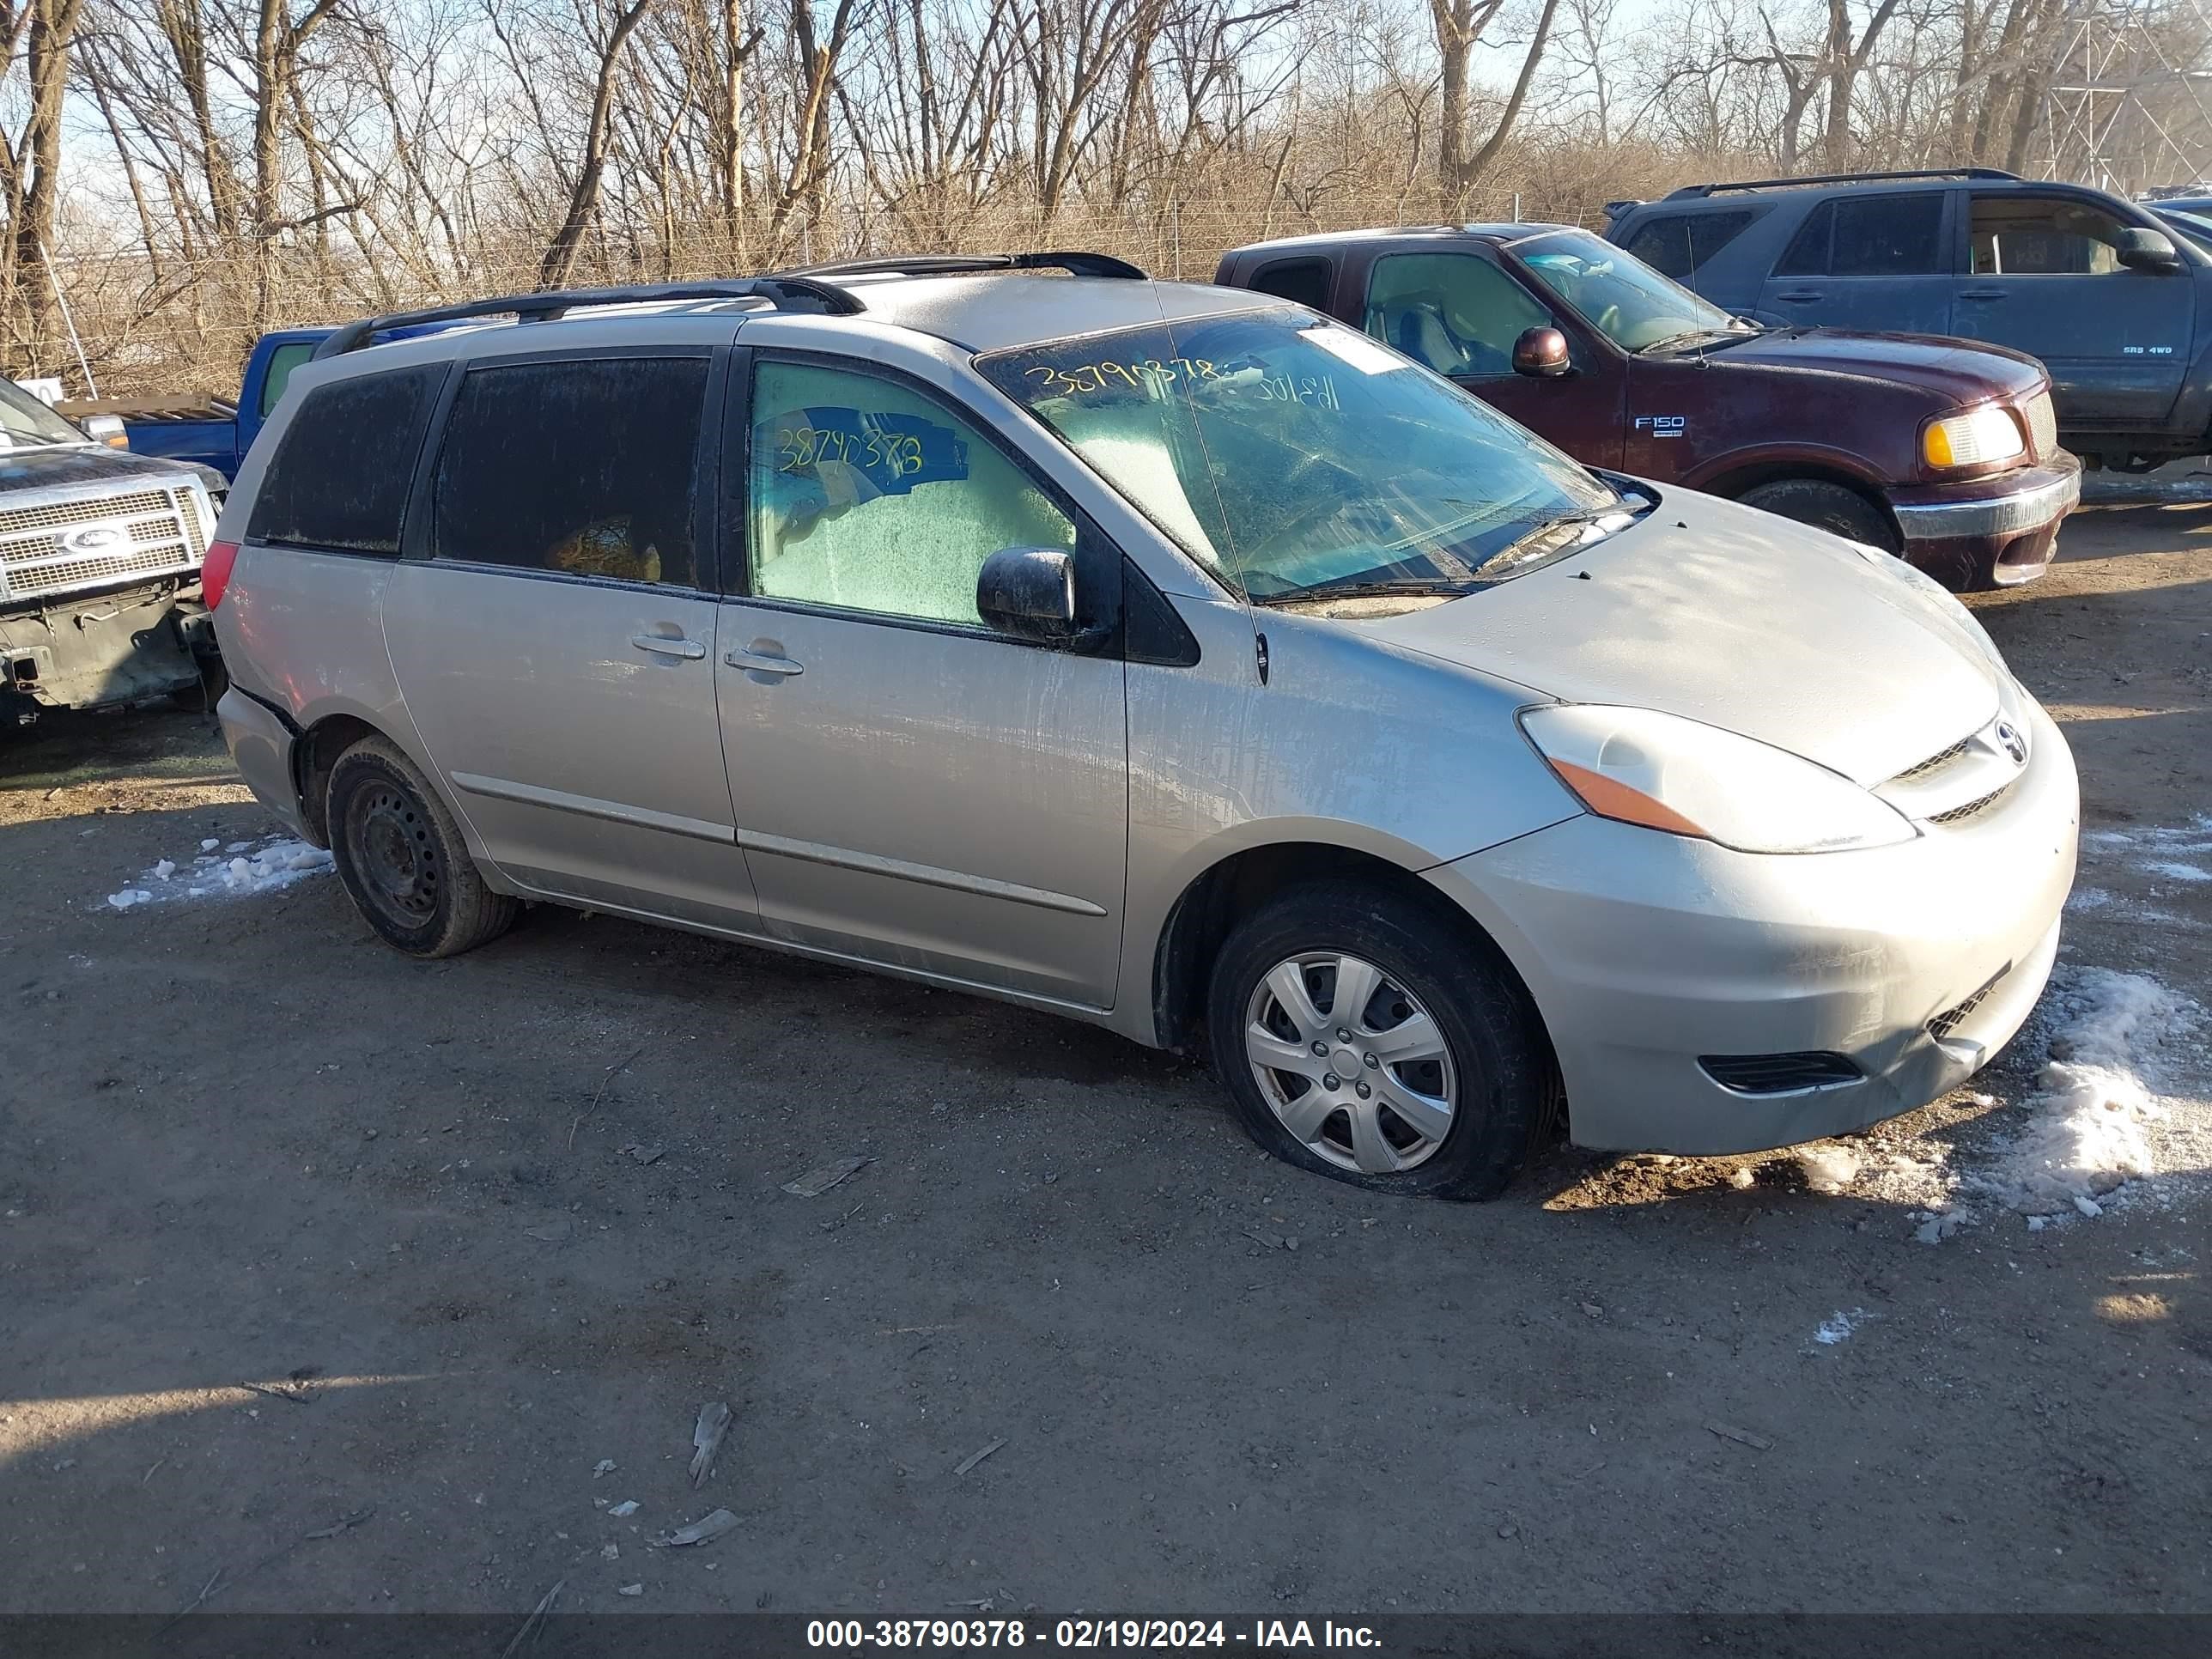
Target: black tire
<point x="1825" y="506"/>
<point x="402" y="857"/>
<point x="1507" y="1090"/>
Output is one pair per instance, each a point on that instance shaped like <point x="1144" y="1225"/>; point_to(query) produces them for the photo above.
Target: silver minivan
<point x="1161" y="656"/>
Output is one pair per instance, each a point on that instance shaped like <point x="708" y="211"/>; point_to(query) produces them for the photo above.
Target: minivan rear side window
<point x="585" y="465"/>
<point x="1676" y="244"/>
<point x="1869" y="236"/>
<point x="339" y="479"/>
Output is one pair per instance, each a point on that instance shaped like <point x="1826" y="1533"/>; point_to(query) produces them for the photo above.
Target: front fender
<point x="1353" y="743"/>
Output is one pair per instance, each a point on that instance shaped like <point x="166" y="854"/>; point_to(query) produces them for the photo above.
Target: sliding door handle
<point x="662" y="645"/>
<point x="753" y="663"/>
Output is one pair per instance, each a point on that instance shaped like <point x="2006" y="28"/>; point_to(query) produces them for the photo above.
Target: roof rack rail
<point x="793" y="292"/>
<point x="1689" y="191"/>
<point x="1076" y="261"/>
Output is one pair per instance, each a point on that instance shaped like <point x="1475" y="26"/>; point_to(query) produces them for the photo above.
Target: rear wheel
<point x="1825" y="506"/>
<point x="402" y="858"/>
<point x="1363" y="1038"/>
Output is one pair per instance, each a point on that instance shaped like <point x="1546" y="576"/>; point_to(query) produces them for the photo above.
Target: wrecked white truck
<point x="99" y="570"/>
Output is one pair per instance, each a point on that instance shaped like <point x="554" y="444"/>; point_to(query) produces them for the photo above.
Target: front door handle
<point x="663" y="645"/>
<point x="754" y="664"/>
<point x="1982" y="293"/>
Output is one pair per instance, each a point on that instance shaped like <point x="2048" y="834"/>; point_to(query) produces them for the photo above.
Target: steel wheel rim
<point x="388" y="837"/>
<point x="1354" y="1068"/>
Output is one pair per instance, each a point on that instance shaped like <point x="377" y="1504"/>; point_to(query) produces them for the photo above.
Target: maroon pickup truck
<point x="1942" y="450"/>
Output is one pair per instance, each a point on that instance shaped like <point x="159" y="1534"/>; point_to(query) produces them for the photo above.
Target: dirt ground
<point x="512" y="1218"/>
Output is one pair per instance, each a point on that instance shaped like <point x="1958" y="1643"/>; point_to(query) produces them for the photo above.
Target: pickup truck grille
<point x="159" y="534"/>
<point x="2042" y="427"/>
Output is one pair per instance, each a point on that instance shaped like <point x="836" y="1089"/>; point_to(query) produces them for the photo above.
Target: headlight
<point x="1978" y="436"/>
<point x="1689" y="779"/>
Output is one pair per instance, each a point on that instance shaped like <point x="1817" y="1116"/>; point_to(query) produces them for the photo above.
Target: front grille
<point x="1934" y="763"/>
<point x="162" y="536"/>
<point x="1952" y="1017"/>
<point x="62" y="515"/>
<point x="1779" y="1074"/>
<point x="1958" y="814"/>
<point x="2042" y="427"/>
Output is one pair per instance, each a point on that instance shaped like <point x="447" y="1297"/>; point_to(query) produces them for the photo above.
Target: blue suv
<point x="2118" y="308"/>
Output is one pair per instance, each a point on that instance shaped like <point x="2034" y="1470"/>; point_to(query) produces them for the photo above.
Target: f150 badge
<point x="1662" y="426"/>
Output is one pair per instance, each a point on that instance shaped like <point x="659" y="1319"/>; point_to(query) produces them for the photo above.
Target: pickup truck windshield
<point x="1620" y="295"/>
<point x="1301" y="460"/>
<point x="27" y="422"/>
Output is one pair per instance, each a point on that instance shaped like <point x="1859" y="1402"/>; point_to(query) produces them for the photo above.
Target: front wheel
<point x="1825" y="506"/>
<point x="1365" y="1037"/>
<point x="403" y="861"/>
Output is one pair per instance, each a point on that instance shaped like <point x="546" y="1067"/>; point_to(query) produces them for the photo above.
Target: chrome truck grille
<point x="57" y="547"/>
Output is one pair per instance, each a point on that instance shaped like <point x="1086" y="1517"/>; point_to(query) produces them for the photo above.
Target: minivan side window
<point x="1301" y="281"/>
<point x="583" y="465"/>
<point x="338" y="481"/>
<point x="867" y="495"/>
<point x="1869" y="236"/>
<point x="1676" y="244"/>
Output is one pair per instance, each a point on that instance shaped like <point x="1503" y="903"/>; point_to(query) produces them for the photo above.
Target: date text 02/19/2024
<point x="1080" y="1632"/>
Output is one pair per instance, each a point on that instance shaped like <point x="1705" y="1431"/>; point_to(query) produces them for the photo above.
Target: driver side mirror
<point x="1542" y="354"/>
<point x="2140" y="249"/>
<point x="1029" y="593"/>
<point x="106" y="429"/>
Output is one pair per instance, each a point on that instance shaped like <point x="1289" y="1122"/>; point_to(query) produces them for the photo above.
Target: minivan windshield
<point x="1299" y="460"/>
<point x="1622" y="297"/>
<point x="25" y="421"/>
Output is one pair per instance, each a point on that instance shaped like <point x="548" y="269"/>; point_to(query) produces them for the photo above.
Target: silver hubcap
<point x="1351" y="1062"/>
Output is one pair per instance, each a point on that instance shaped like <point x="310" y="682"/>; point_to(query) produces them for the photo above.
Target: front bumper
<point x="1990" y="532"/>
<point x="1646" y="951"/>
<point x="105" y="650"/>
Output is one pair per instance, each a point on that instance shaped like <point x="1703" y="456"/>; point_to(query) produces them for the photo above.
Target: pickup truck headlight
<point x="1664" y="772"/>
<point x="1974" y="438"/>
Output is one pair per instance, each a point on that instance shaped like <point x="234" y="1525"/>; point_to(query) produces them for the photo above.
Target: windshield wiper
<point x="1537" y="540"/>
<point x="1362" y="588"/>
<point x="1696" y="337"/>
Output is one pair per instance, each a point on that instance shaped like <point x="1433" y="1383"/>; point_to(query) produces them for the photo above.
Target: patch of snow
<point x="1838" y="1326"/>
<point x="209" y="844"/>
<point x="268" y="868"/>
<point x="2174" y="871"/>
<point x="1741" y="1179"/>
<point x="2095" y="1124"/>
<point x="1828" y="1168"/>
<point x="1911" y="1173"/>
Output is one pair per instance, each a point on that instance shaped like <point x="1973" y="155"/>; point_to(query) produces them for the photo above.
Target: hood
<point x="1747" y="622"/>
<point x="69" y="467"/>
<point x="1954" y="371"/>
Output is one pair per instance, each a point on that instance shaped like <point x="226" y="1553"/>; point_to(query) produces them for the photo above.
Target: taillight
<point x="215" y="571"/>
